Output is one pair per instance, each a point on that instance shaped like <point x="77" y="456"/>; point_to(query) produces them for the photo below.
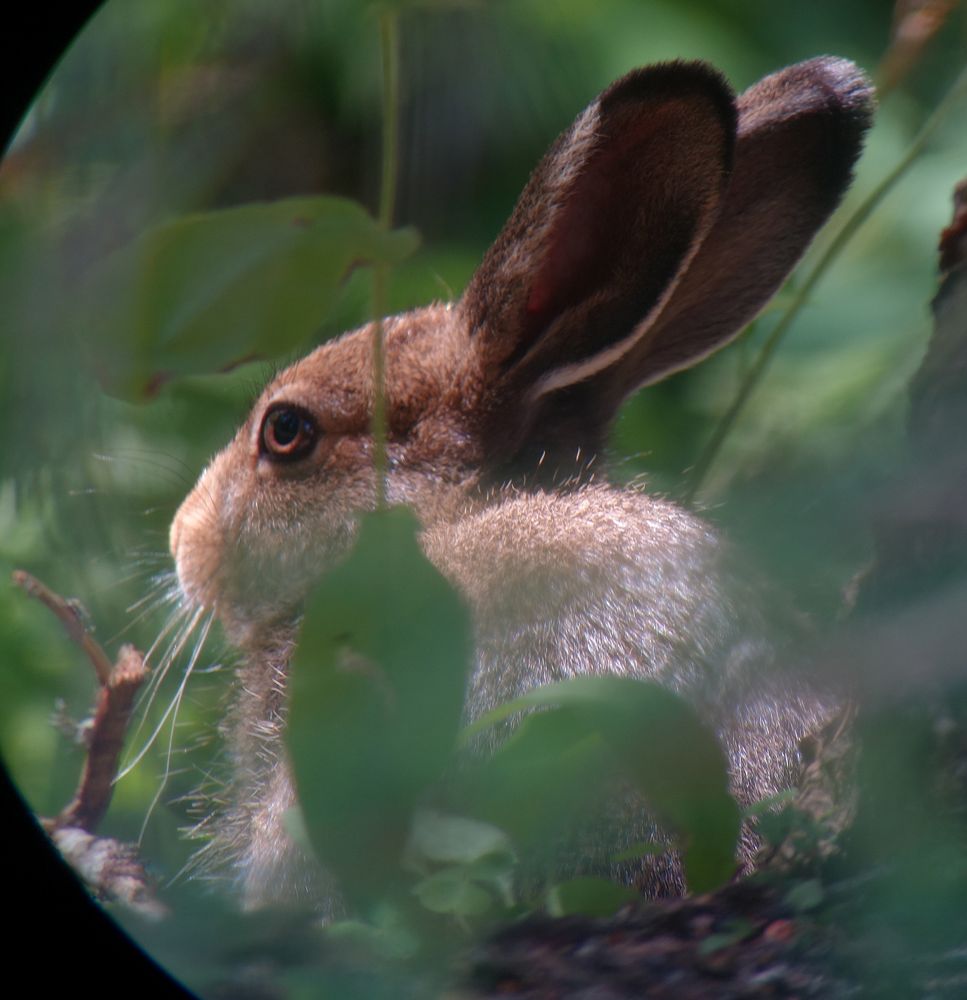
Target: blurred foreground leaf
<point x="478" y="860"/>
<point x="455" y="839"/>
<point x="377" y="692"/>
<point x="386" y="937"/>
<point x="564" y="759"/>
<point x="452" y="890"/>
<point x="207" y="291"/>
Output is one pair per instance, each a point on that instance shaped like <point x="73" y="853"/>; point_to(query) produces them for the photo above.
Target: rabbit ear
<point x="606" y="223"/>
<point x="800" y="132"/>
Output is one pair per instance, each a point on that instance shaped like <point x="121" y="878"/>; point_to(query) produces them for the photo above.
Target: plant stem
<point x="846" y="233"/>
<point x="389" y="47"/>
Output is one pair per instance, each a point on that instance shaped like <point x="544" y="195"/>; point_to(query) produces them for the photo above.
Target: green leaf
<point x="377" y="690"/>
<point x="387" y="936"/>
<point x="452" y="890"/>
<point x="295" y="826"/>
<point x="543" y="781"/>
<point x="770" y="803"/>
<point x="207" y="291"/>
<point x="593" y="729"/>
<point x="447" y="839"/>
<point x="477" y="855"/>
<point x="805" y="895"/>
<point x="590" y="897"/>
<point x="776" y="828"/>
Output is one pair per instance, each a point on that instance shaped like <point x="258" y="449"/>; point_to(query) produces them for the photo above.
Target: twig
<point x="67" y="613"/>
<point x="120" y="683"/>
<point x="115" y="702"/>
<point x="111" y="868"/>
<point x="389" y="49"/>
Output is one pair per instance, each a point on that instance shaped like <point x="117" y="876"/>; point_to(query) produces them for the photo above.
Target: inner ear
<point x="606" y="223"/>
<point x="625" y="207"/>
<point x="800" y="132"/>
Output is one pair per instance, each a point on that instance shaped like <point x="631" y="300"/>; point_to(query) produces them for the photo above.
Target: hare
<point x="652" y="231"/>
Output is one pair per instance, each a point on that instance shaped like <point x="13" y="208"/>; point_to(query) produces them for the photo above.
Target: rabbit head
<point x="652" y="231"/>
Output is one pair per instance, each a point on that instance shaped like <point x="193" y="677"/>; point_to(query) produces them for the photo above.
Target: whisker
<point x="139" y="569"/>
<point x="163" y="586"/>
<point x="144" y="554"/>
<point x="172" y="710"/>
<point x="159" y="674"/>
<point x="148" y="605"/>
<point x="151" y="459"/>
<point x="177" y="620"/>
<point x="183" y="624"/>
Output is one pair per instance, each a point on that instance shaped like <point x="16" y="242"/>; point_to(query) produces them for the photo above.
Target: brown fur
<point x="651" y="232"/>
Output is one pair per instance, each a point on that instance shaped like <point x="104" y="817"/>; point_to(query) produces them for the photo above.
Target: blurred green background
<point x="168" y="107"/>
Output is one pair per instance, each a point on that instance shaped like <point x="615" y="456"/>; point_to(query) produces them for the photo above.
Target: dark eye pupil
<point x="285" y="426"/>
<point x="288" y="434"/>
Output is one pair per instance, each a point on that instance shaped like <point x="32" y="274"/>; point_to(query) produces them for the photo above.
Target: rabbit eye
<point x="288" y="433"/>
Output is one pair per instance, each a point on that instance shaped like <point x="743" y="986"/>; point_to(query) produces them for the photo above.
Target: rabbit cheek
<point x="290" y="525"/>
<point x="232" y="539"/>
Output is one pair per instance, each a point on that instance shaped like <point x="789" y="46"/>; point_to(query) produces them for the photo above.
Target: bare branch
<point x="112" y="869"/>
<point x="115" y="702"/>
<point x="119" y="685"/>
<point x="68" y="615"/>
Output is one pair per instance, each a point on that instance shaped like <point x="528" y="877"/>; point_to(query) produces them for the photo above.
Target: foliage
<point x="192" y="141"/>
<point x="592" y="729"/>
<point x="377" y="696"/>
<point x="377" y="692"/>
<point x="208" y="291"/>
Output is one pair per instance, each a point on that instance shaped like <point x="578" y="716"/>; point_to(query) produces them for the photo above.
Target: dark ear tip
<point x="853" y="90"/>
<point x="828" y="94"/>
<point x="680" y="77"/>
<point x="831" y="84"/>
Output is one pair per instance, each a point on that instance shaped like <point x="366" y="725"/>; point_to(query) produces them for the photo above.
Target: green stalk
<point x="389" y="48"/>
<point x="849" y="229"/>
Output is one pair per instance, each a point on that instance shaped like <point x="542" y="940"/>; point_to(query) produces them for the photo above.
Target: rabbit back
<point x="606" y="580"/>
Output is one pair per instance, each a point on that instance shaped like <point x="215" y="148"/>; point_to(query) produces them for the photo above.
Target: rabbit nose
<point x="174" y="535"/>
<point x="182" y="527"/>
<point x="193" y="541"/>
